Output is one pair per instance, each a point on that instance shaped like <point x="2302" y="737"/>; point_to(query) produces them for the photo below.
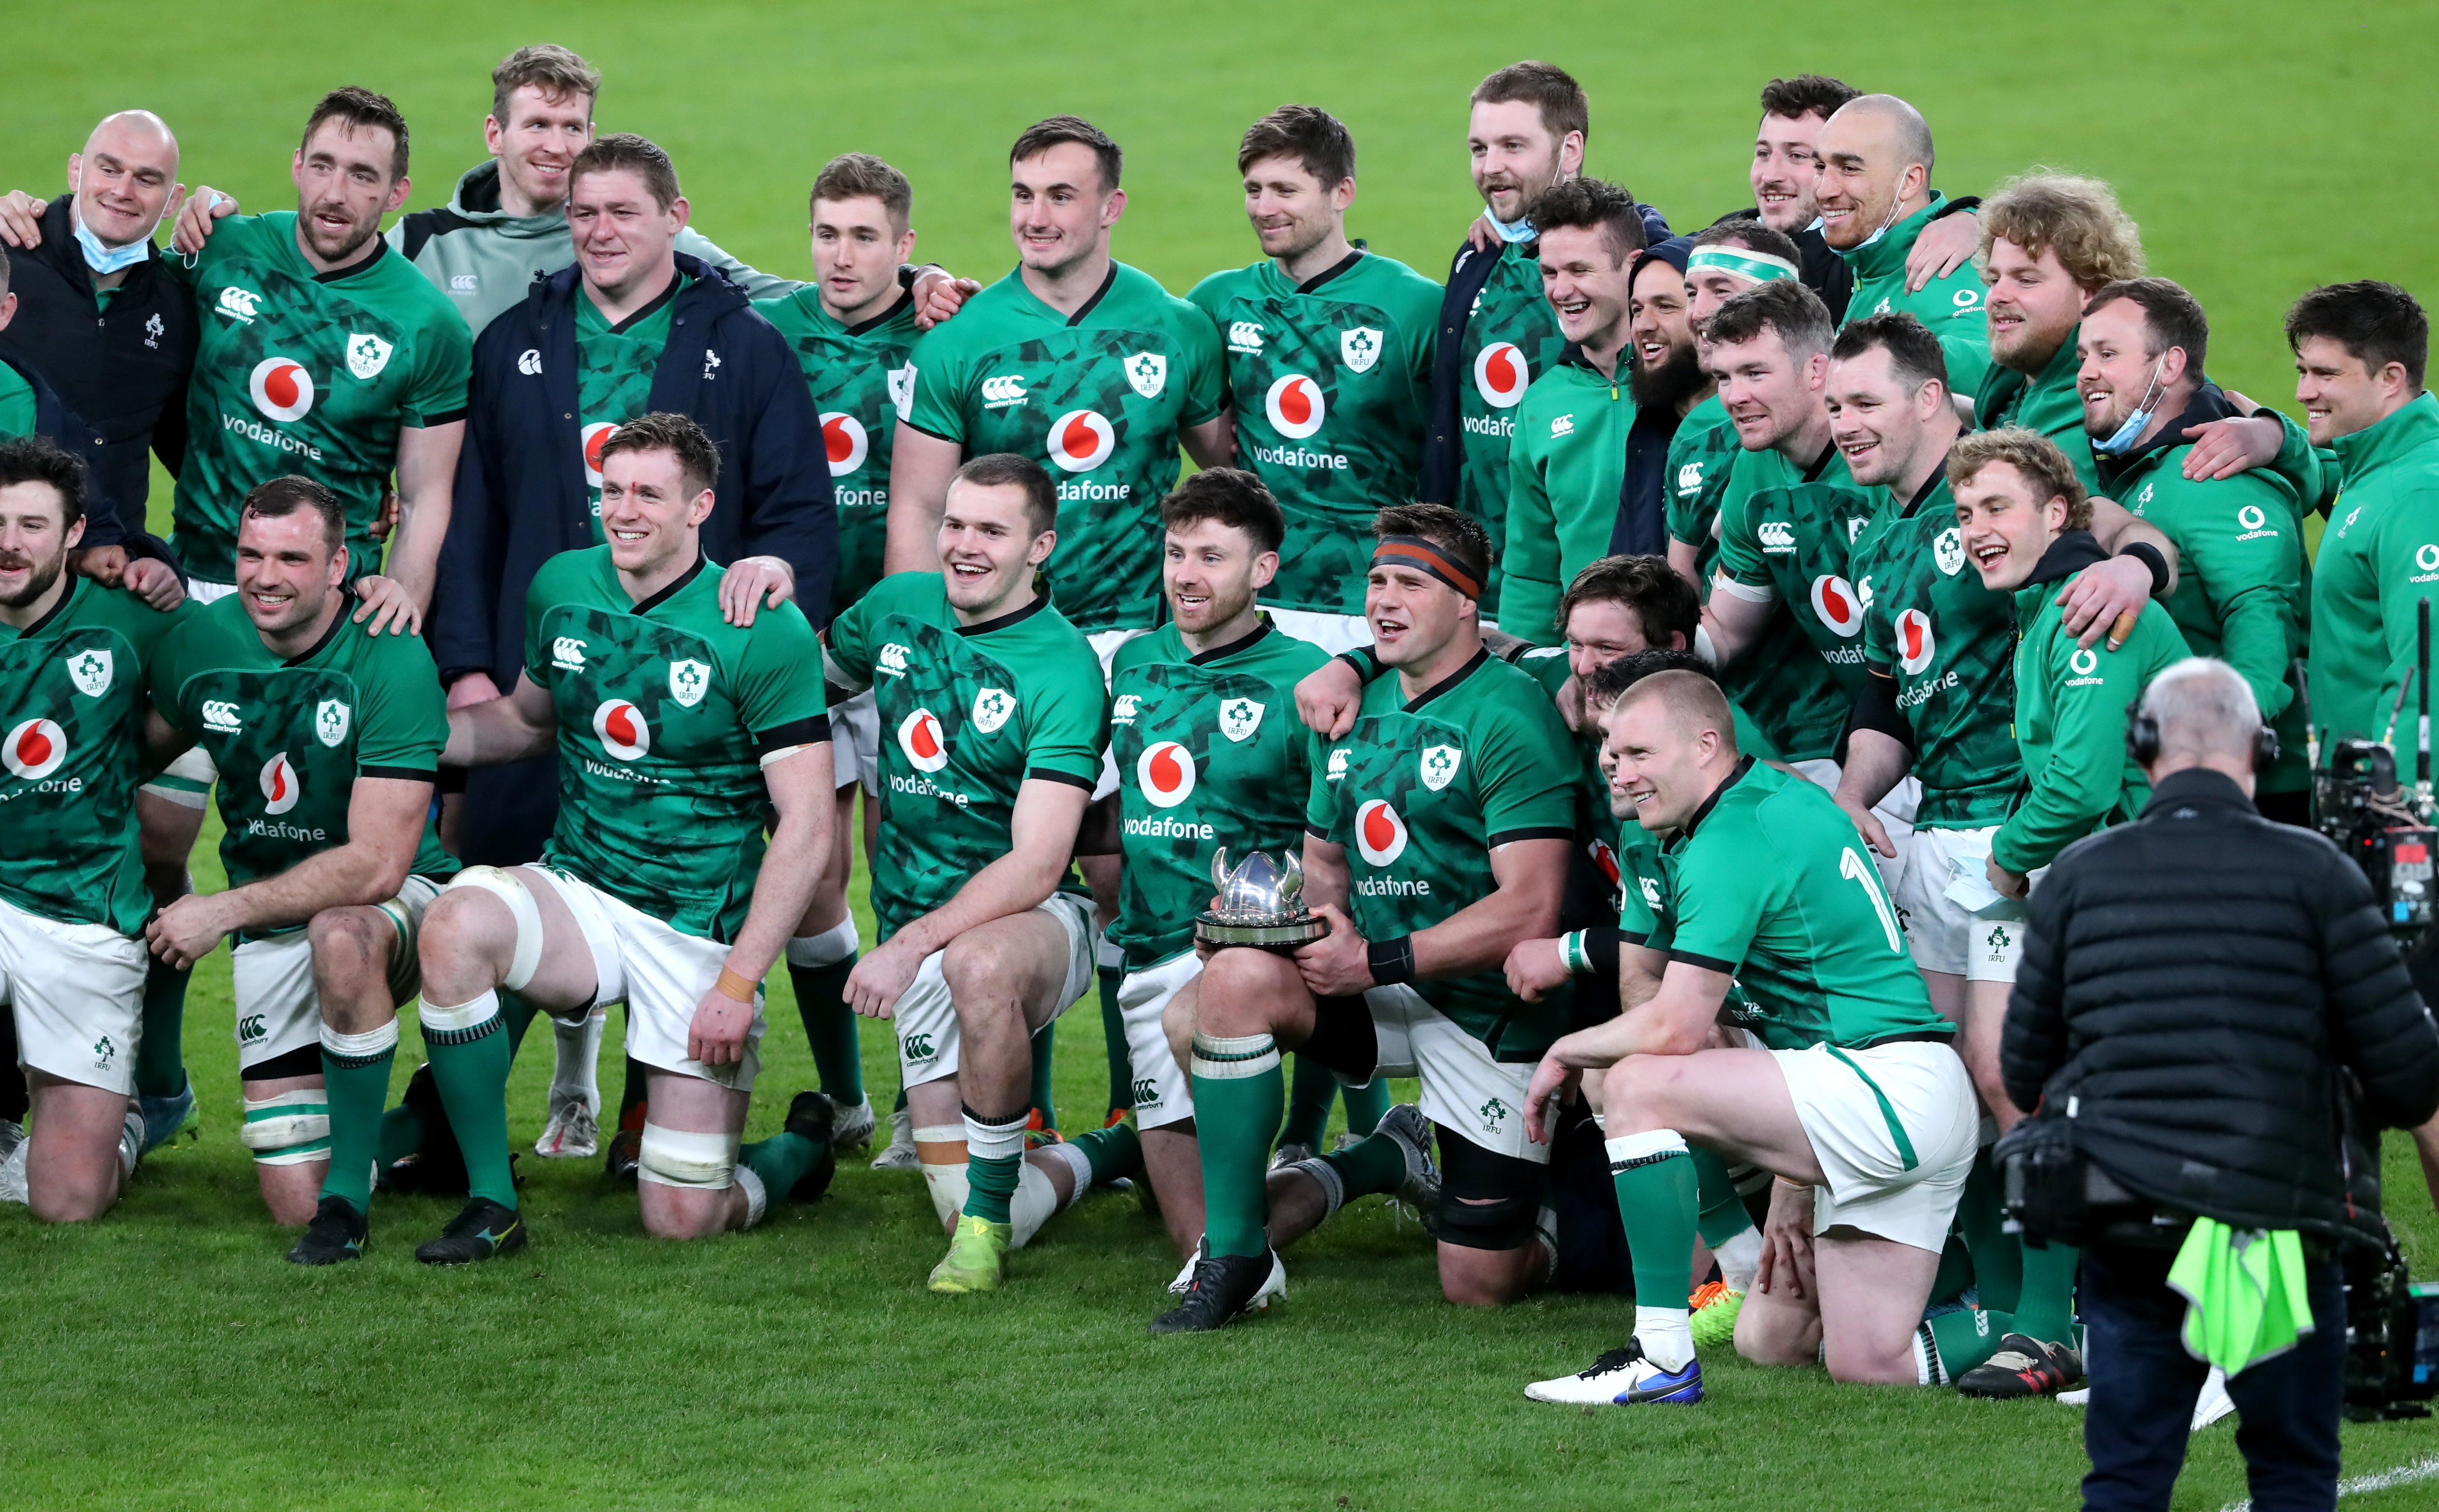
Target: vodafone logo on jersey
<point x="281" y="788"/>
<point x="592" y="436"/>
<point x="842" y="437"/>
<point x="1837" y="604"/>
<point x="1379" y="834"/>
<point x="1295" y="407"/>
<point x="1165" y="773"/>
<point x="1501" y="375"/>
<point x="919" y="736"/>
<point x="35" y="749"/>
<point x="621" y="728"/>
<point x="1082" y="440"/>
<point x="281" y="388"/>
<point x="1914" y="645"/>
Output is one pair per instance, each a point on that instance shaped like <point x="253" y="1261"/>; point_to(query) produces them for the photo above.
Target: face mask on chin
<point x="107" y="260"/>
<point x="2123" y="437"/>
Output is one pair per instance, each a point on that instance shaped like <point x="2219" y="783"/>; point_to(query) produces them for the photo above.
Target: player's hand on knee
<point x="1327" y="697"/>
<point x="717" y="1036"/>
<point x="753" y="583"/>
<point x="1534" y="966"/>
<point x="154" y="581"/>
<point x="387" y="605"/>
<point x="881" y="978"/>
<point x="1787" y="1242"/>
<point x="1550" y="1081"/>
<point x="1339" y="964"/>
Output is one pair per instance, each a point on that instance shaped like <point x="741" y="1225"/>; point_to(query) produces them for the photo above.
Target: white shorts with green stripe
<point x="277" y="1009"/>
<point x="1894" y="1128"/>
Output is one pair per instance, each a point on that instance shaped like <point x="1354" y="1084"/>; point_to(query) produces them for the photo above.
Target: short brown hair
<point x="2078" y="218"/>
<point x="359" y="109"/>
<point x="2376" y="323"/>
<point x="1609" y="681"/>
<point x="1230" y="496"/>
<point x="697" y="454"/>
<point x="861" y="176"/>
<point x="1548" y="88"/>
<point x="1043" y="135"/>
<point x="1592" y="204"/>
<point x="1664" y="604"/>
<point x="1914" y="353"/>
<point x="627" y="151"/>
<point x="2031" y="453"/>
<point x="1459" y="536"/>
<point x="38" y="460"/>
<point x="2171" y="317"/>
<point x="1806" y="95"/>
<point x="1319" y="142"/>
<point x="1780" y="305"/>
<point x="1001" y="469"/>
<point x="546" y="66"/>
<point x="283" y="496"/>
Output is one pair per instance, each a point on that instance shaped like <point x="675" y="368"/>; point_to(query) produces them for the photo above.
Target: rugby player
<point x="679" y="734"/>
<point x="330" y="734"/>
<point x="995" y="710"/>
<point x="1833" y="1072"/>
<point x="1875" y="197"/>
<point x="75" y="657"/>
<point x="1454" y="788"/>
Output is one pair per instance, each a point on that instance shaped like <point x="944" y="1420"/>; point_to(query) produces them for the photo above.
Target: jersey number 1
<point x="1857" y="870"/>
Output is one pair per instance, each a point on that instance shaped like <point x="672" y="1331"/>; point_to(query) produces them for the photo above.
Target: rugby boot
<point x="1716" y="1305"/>
<point x="977" y="1251"/>
<point x="1225" y="1288"/>
<point x="1625" y="1377"/>
<point x="2024" y="1366"/>
<point x="813" y="1115"/>
<point x="336" y="1234"/>
<point x="853" y="1128"/>
<point x="483" y="1230"/>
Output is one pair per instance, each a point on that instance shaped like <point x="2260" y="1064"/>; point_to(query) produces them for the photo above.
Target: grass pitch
<point x="167" y="1353"/>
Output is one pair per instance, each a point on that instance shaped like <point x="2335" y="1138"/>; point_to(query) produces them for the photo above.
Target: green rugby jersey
<point x="614" y="376"/>
<point x="1566" y="464"/>
<point x="968" y="714"/>
<point x="292" y="734"/>
<point x="2378" y="556"/>
<point x="1951" y="306"/>
<point x="1770" y="884"/>
<point x="2045" y="401"/>
<point x="1511" y="337"/>
<point x="16" y="404"/>
<point x="1793" y="533"/>
<point x="860" y="375"/>
<point x="1421" y="794"/>
<point x="666" y="711"/>
<point x="1210" y="757"/>
<point x="1700" y="456"/>
<point x="2071" y="703"/>
<point x="1328" y="381"/>
<point x="72" y="690"/>
<point x="1951" y="644"/>
<point x="1099" y="396"/>
<point x="298" y="371"/>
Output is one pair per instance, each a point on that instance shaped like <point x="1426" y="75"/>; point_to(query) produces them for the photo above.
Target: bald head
<point x="2207" y="718"/>
<point x="1691" y="702"/>
<point x="132" y="130"/>
<point x="124" y="178"/>
<point x="1888" y="121"/>
<point x="1876" y="162"/>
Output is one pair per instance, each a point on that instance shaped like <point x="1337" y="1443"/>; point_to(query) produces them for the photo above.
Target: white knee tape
<point x="288" y="1129"/>
<point x="674" y="1157"/>
<point x="510" y="889"/>
<point x="944" y="1179"/>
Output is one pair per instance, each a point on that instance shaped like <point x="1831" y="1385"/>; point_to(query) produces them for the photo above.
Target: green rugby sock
<point x="470" y="1051"/>
<point x="1308" y="1098"/>
<point x="1723" y="1216"/>
<point x="1981" y="1226"/>
<point x="1239" y="1093"/>
<point x="1114" y="1151"/>
<point x="1110" y="972"/>
<point x="1366" y="1105"/>
<point x="1657" y="1187"/>
<point x="2046" y="1307"/>
<point x="1046" y="1040"/>
<point x="994" y="1163"/>
<point x="1375" y="1164"/>
<point x="160" y="1054"/>
<point x="1965" y="1337"/>
<point x="830" y="1028"/>
<point x="782" y="1161"/>
<point x="355" y="1076"/>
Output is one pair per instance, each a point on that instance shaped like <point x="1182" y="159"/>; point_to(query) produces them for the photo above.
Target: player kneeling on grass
<point x="74" y="659"/>
<point x="679" y="735"/>
<point x="1834" y="1074"/>
<point x="991" y="710"/>
<point x="1440" y="822"/>
<point x="329" y="735"/>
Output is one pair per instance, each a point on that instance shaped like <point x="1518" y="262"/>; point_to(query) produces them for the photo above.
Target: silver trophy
<point x="1260" y="904"/>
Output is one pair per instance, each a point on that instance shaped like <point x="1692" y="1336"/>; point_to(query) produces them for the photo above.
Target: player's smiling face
<point x="2005" y="528"/>
<point x="1584" y="286"/>
<point x="289" y="573"/>
<point x="1515" y="156"/>
<point x="1862" y="179"/>
<point x="1211" y="573"/>
<point x="651" y="513"/>
<point x="1657" y="774"/>
<point x="624" y="236"/>
<point x="2033" y="305"/>
<point x="2118" y="372"/>
<point x="123" y="178"/>
<point x="989" y="550"/>
<point x="1602" y="632"/>
<point x="2342" y="393"/>
<point x="344" y="187"/>
<point x="33" y="547"/>
<point x="1707" y="289"/>
<point x="1656" y="317"/>
<point x="537" y="144"/>
<point x="1414" y="616"/>
<point x="1786" y="170"/>
<point x="1770" y="394"/>
<point x="1873" y="420"/>
<point x="1291" y="211"/>
<point x="856" y="248"/>
<point x="1058" y="210"/>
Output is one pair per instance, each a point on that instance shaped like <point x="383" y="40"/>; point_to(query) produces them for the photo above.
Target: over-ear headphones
<point x="2142" y="741"/>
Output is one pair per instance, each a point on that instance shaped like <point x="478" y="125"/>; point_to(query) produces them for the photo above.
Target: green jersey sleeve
<point x="2247" y="551"/>
<point x="548" y="588"/>
<point x="1740" y="555"/>
<point x="1321" y="802"/>
<point x="2073" y="790"/>
<point x="935" y="404"/>
<point x="779" y="675"/>
<point x="1528" y="773"/>
<point x="2313" y="471"/>
<point x="1719" y="903"/>
<point x="1066" y="724"/>
<point x="1206" y="366"/>
<point x="849" y="639"/>
<point x="405" y="714"/>
<point x="444" y="364"/>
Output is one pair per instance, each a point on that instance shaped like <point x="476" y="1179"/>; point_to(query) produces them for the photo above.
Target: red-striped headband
<point x="1422" y="555"/>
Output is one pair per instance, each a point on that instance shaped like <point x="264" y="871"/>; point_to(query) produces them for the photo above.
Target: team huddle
<point x="1666" y="663"/>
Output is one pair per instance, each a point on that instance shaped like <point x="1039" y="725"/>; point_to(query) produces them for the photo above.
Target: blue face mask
<point x="1512" y="231"/>
<point x="107" y="260"/>
<point x="2127" y="435"/>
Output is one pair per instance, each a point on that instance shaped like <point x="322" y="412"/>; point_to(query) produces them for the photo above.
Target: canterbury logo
<point x="567" y="654"/>
<point x="1245" y="336"/>
<point x="893" y="660"/>
<point x="240" y="304"/>
<point x="998" y="393"/>
<point x="529" y="362"/>
<point x="1777" y="535"/>
<point x="219" y="716"/>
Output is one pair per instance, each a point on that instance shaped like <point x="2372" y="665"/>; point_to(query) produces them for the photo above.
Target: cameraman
<point x="2191" y="986"/>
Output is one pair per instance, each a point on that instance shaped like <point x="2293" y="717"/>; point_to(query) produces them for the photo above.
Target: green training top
<point x="1951" y="306"/>
<point x="1329" y="379"/>
<point x="1421" y="794"/>
<point x="1769" y="883"/>
<point x="1511" y="337"/>
<point x="2071" y="703"/>
<point x="614" y="376"/>
<point x="968" y="714"/>
<point x="859" y="375"/>
<point x="291" y="734"/>
<point x="1566" y="464"/>
<point x="73" y="684"/>
<point x="2378" y="557"/>
<point x="2047" y="402"/>
<point x="666" y="713"/>
<point x="1099" y="396"/>
<point x="1791" y="534"/>
<point x="298" y="371"/>
<point x="1951" y="644"/>
<point x="1210" y="755"/>
<point x="16" y="404"/>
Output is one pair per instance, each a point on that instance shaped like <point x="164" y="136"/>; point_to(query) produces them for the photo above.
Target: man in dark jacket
<point x="2192" y="987"/>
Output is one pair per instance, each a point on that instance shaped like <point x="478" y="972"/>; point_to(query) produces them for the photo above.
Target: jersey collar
<point x="381" y="244"/>
<point x="659" y="302"/>
<point x="645" y="606"/>
<point x="1220" y="654"/>
<point x="75" y="586"/>
<point x="1341" y="265"/>
<point x="1685" y="832"/>
<point x="338" y="622"/>
<point x="1041" y="602"/>
<point x="1821" y="463"/>
<point x="1450" y="681"/>
<point x="905" y="297"/>
<point x="1099" y="294"/>
<point x="1931" y="485"/>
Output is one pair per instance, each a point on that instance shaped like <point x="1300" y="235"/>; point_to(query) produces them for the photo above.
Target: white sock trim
<point x="1667" y="1335"/>
<point x="471" y="1014"/>
<point x="829" y="948"/>
<point x="758" y="1197"/>
<point x="1624" y="1149"/>
<point x="1219" y="1057"/>
<point x="994" y="1141"/>
<point x="369" y="1045"/>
